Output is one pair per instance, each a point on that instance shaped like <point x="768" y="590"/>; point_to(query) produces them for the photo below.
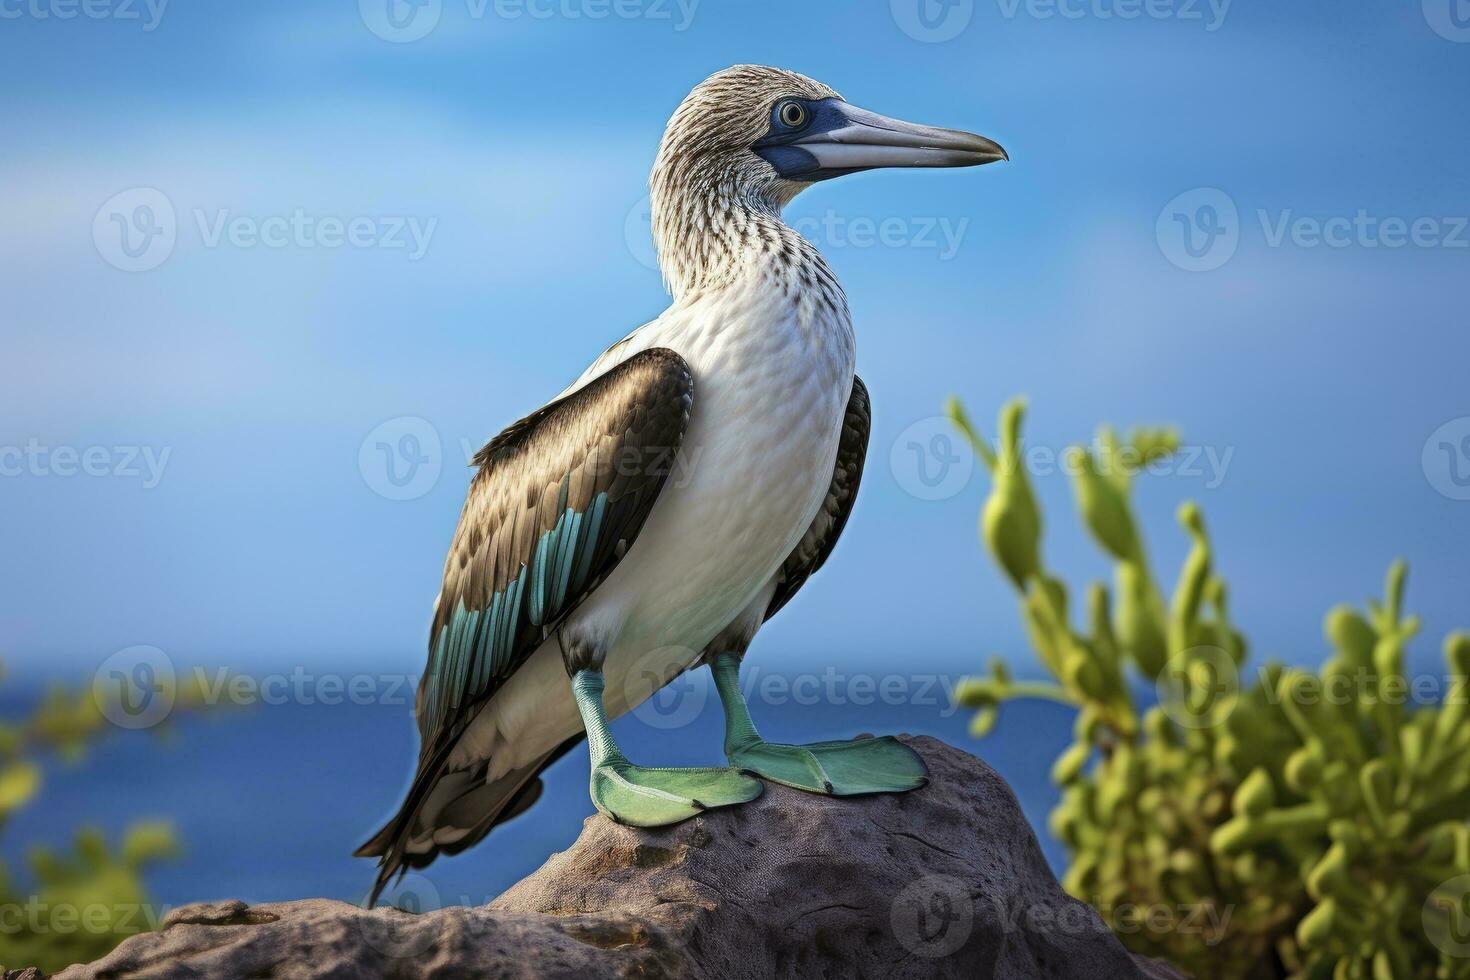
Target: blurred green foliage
<point x="72" y="908"/>
<point x="1304" y="824"/>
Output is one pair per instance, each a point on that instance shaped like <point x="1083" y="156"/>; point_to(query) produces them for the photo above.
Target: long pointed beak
<point x="844" y="139"/>
<point x="871" y="140"/>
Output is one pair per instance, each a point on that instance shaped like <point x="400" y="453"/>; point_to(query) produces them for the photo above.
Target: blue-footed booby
<point x="588" y="570"/>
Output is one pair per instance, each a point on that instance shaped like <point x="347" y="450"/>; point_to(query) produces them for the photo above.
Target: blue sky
<point x="516" y="138"/>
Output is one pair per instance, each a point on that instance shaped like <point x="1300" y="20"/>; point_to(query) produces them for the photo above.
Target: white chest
<point x="772" y="377"/>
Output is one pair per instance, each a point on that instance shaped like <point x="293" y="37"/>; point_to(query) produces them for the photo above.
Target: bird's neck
<point x="715" y="235"/>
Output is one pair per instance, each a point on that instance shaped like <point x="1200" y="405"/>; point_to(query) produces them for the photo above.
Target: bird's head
<point x="768" y="133"/>
<point x="751" y="137"/>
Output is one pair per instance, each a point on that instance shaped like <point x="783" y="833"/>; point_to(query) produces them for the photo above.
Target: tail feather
<point x="447" y="812"/>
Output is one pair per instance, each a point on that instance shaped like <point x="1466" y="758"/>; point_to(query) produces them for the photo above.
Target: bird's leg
<point x="864" y="765"/>
<point x="643" y="797"/>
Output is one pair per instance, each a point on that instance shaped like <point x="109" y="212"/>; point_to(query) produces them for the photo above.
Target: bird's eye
<point x="792" y="114"/>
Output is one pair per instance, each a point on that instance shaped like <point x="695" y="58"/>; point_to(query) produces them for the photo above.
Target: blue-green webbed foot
<point x="865" y="765"/>
<point x="640" y="796"/>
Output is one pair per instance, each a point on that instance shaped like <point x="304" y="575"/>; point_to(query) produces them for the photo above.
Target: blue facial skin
<point x="793" y="162"/>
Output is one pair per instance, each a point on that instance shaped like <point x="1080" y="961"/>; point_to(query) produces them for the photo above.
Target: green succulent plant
<point x="82" y="905"/>
<point x="72" y="908"/>
<point x="1291" y="824"/>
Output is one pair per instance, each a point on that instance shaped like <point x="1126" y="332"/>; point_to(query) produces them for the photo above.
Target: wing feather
<point x="558" y="499"/>
<point x="557" y="493"/>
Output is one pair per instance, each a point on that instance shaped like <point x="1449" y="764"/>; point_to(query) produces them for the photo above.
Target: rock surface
<point x="947" y="881"/>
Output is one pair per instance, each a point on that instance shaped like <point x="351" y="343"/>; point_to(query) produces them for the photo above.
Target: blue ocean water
<point x="270" y="800"/>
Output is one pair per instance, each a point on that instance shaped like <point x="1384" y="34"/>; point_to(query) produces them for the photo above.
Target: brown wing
<point x="560" y="496"/>
<point x="559" y="499"/>
<point x="847" y="473"/>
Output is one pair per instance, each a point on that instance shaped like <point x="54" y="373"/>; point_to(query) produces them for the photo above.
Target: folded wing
<point x="559" y="499"/>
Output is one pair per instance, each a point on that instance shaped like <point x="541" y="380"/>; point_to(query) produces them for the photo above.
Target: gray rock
<point x="947" y="881"/>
